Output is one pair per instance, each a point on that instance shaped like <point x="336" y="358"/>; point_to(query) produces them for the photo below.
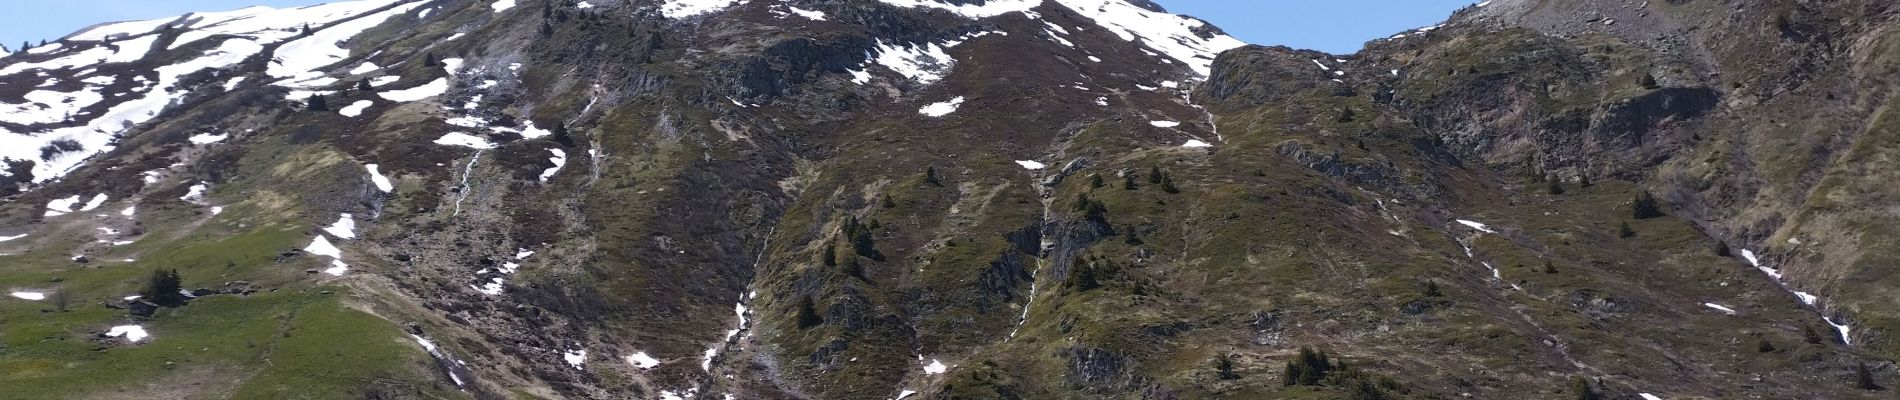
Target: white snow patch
<point x="367" y="67"/>
<point x="427" y="90"/>
<point x="1647" y="396"/>
<point x="905" y="393"/>
<point x="376" y="177"/>
<point x="576" y="357"/>
<point x="1031" y="165"/>
<point x="355" y="109"/>
<point x="321" y="246"/>
<point x="195" y="194"/>
<point x="301" y="59"/>
<point x="502" y="5"/>
<point x="132" y="333"/>
<point x="34" y="296"/>
<point x="207" y="138"/>
<point x="1196" y="143"/>
<point x="97" y="200"/>
<point x="59" y="207"/>
<point x="935" y="367"/>
<point x="343" y="228"/>
<point x="642" y="361"/>
<point x="559" y="159"/>
<point x="1175" y="36"/>
<point x="1719" y="307"/>
<point x="11" y="238"/>
<point x="464" y="140"/>
<point x="1476" y="225"/>
<point x="1164" y="124"/>
<point x="942" y="108"/>
<point x="677" y="9"/>
<point x="985" y="9"/>
<point x="814" y="15"/>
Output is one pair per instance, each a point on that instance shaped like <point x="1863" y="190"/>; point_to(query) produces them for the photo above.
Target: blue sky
<point x="1334" y="26"/>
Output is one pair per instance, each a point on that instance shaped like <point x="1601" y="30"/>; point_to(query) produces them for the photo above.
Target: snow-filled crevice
<point x="1840" y="325"/>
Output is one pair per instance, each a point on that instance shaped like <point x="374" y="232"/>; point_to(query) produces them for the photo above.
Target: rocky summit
<point x="952" y="199"/>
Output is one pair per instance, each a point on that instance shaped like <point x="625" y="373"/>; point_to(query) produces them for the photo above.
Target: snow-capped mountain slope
<point x="877" y="199"/>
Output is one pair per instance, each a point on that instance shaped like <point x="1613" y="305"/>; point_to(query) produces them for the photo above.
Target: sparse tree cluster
<point x="164" y="288"/>
<point x="1644" y="206"/>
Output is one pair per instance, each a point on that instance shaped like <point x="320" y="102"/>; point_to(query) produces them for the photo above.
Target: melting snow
<point x="677" y="9"/>
<point x="1175" y="36"/>
<point x="427" y="90"/>
<point x="642" y="361"/>
<point x="206" y="138"/>
<point x="343" y="228"/>
<point x="300" y="59"/>
<point x="355" y="109"/>
<point x="1164" y="124"/>
<point x="132" y="333"/>
<point x="1031" y="165"/>
<point x="376" y="177"/>
<point x="984" y="9"/>
<point x="10" y="238"/>
<point x="195" y="194"/>
<point x="1476" y="225"/>
<point x="1196" y="143"/>
<point x="559" y="159"/>
<point x="1719" y="307"/>
<point x="34" y="296"/>
<point x="367" y="67"/>
<point x="943" y="108"/>
<point x="321" y="246"/>
<point x="502" y="5"/>
<point x="437" y="353"/>
<point x="906" y="393"/>
<point x="97" y="200"/>
<point x="575" y="357"/>
<point x="464" y="140"/>
<point x="1647" y="396"/>
<point x="935" y="367"/>
<point x="812" y="14"/>
<point x="60" y="207"/>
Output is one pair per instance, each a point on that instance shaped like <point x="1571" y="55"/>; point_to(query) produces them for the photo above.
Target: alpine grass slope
<point x="951" y="199"/>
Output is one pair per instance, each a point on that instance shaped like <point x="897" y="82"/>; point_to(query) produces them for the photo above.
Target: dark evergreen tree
<point x="1863" y="378"/>
<point x="1128" y="182"/>
<point x="886" y="201"/>
<point x="1809" y="335"/>
<point x="1556" y="185"/>
<point x="1346" y="115"/>
<point x="562" y="135"/>
<point x="1309" y="369"/>
<point x="860" y="238"/>
<point x="1584" y="181"/>
<point x="1224" y="366"/>
<point x="547" y="29"/>
<point x="830" y="256"/>
<point x="1549" y="268"/>
<point x="163" y="288"/>
<point x="1644" y="206"/>
<point x="930" y="176"/>
<point x="1764" y="346"/>
<point x="1167" y="185"/>
<point x="1154" y="175"/>
<point x="317" y="103"/>
<point x="428" y="60"/>
<point x="1721" y="249"/>
<point x="1095" y="181"/>
<point x="1649" y="81"/>
<point x="362" y="85"/>
<point x="1432" y="290"/>
<point x="1082" y="277"/>
<point x="306" y="30"/>
<point x="808" y="314"/>
<point x="1623" y="230"/>
<point x="1584" y="390"/>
